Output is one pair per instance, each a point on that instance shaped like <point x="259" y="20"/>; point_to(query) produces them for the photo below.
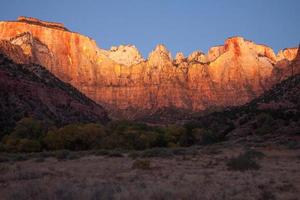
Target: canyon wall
<point x="124" y="82"/>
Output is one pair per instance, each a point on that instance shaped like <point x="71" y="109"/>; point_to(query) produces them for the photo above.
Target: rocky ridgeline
<point x="125" y="54"/>
<point x="39" y="22"/>
<point x="124" y="82"/>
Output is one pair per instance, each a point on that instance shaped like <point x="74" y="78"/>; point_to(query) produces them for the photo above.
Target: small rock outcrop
<point x="215" y="52"/>
<point x="197" y="56"/>
<point x="14" y="52"/>
<point x="159" y="56"/>
<point x="36" y="51"/>
<point x="179" y="57"/>
<point x="288" y="53"/>
<point x="125" y="54"/>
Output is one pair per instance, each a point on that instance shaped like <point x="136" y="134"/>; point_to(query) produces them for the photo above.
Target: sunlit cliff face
<point x="119" y="78"/>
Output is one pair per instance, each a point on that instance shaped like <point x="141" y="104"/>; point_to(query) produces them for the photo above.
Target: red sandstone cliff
<point x="120" y="79"/>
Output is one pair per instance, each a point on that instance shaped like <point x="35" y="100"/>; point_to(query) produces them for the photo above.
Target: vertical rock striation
<point x="123" y="81"/>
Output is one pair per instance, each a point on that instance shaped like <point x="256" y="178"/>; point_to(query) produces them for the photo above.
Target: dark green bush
<point x="25" y="137"/>
<point x="29" y="128"/>
<point x="75" y="137"/>
<point x="134" y="136"/>
<point x="12" y="144"/>
<point x="27" y="145"/>
<point x="29" y="135"/>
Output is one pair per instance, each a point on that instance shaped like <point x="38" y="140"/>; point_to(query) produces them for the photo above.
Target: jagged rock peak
<point x="215" y="52"/>
<point x="160" y="55"/>
<point x="179" y="57"/>
<point x="288" y="53"/>
<point x="125" y="54"/>
<point x="239" y="45"/>
<point x="234" y="43"/>
<point x="197" y="56"/>
<point x="162" y="51"/>
<point x="36" y="21"/>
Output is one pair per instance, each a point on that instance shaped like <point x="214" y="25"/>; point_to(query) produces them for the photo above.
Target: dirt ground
<point x="204" y="175"/>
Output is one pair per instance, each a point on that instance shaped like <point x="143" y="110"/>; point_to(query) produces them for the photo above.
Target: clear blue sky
<point x="182" y="25"/>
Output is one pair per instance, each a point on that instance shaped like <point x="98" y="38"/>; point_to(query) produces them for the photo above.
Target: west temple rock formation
<point x="124" y="82"/>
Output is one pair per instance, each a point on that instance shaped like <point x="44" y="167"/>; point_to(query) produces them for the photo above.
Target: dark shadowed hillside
<point x="30" y="90"/>
<point x="274" y="114"/>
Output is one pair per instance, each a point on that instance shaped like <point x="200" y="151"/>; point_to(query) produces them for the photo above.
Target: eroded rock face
<point x="14" y="52"/>
<point x="197" y="56"/>
<point x="179" y="58"/>
<point x="119" y="79"/>
<point x="159" y="56"/>
<point x="36" y="51"/>
<point x="125" y="54"/>
<point x="289" y="54"/>
<point x="214" y="53"/>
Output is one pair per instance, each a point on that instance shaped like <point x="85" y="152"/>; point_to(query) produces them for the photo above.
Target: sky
<point x="181" y="25"/>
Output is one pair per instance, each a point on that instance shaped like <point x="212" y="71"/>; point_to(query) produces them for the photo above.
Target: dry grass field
<point x="212" y="172"/>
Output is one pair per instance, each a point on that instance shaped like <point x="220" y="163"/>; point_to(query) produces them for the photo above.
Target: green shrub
<point x="134" y="136"/>
<point x="25" y="137"/>
<point x="12" y="144"/>
<point x="53" y="141"/>
<point x="161" y="140"/>
<point x="76" y="137"/>
<point x="29" y="128"/>
<point x="26" y="145"/>
<point x="174" y="133"/>
<point x="28" y="136"/>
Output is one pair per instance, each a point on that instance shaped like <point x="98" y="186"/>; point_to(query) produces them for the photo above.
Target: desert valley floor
<point x="193" y="173"/>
